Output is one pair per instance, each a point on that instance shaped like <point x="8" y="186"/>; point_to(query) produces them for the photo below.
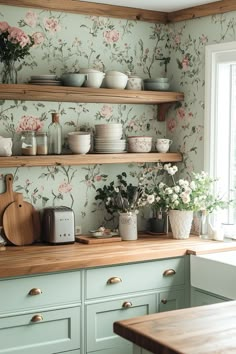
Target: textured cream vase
<point x="181" y="222"/>
<point x="128" y="226"/>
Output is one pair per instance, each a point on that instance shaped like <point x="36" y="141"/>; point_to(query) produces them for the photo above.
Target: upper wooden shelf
<point x="28" y="92"/>
<point x="88" y="159"/>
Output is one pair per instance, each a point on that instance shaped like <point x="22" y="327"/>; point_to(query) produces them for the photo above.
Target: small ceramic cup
<point x="134" y="83"/>
<point x="163" y="145"/>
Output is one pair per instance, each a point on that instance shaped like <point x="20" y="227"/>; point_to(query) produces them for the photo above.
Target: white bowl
<point x="79" y="137"/>
<point x="118" y="82"/>
<point x="115" y="73"/>
<point x="94" y="79"/>
<point x="139" y="144"/>
<point x="108" y="126"/>
<point x="88" y="70"/>
<point x="79" y="148"/>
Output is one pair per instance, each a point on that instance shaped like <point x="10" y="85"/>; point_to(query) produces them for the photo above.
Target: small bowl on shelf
<point x="118" y="82"/>
<point x="153" y="85"/>
<point x="73" y="79"/>
<point x="139" y="144"/>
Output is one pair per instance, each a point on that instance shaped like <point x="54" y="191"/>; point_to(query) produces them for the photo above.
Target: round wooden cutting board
<point x="21" y="222"/>
<point x="7" y="197"/>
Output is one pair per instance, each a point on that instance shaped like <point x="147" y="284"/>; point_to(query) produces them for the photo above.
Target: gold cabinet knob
<point x="169" y="272"/>
<point x="114" y="280"/>
<point x="37" y="318"/>
<point x="127" y="304"/>
<point x="35" y="291"/>
<point x="164" y="301"/>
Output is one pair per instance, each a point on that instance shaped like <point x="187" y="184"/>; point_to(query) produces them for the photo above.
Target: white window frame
<point x="214" y="55"/>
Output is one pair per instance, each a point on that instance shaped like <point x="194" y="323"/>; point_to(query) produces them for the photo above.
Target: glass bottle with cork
<point x="55" y="135"/>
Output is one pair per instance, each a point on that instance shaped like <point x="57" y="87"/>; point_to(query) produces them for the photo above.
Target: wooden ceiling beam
<point x="214" y="8"/>
<point x="92" y="9"/>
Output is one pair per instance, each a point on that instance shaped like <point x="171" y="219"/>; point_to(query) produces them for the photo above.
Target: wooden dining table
<point x="208" y="329"/>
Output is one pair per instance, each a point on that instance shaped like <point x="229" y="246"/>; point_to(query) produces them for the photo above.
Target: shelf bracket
<point x="162" y="110"/>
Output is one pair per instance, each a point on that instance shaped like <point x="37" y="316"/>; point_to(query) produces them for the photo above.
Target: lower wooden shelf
<point x="88" y="159"/>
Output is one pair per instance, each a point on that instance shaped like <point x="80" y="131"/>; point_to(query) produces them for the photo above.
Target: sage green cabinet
<point x="201" y="298"/>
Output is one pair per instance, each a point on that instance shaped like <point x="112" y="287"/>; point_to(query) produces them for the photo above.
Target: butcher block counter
<point x="42" y="258"/>
<point x="206" y="329"/>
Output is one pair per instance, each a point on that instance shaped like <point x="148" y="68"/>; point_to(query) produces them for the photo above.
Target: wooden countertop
<point x="199" y="330"/>
<point x="38" y="258"/>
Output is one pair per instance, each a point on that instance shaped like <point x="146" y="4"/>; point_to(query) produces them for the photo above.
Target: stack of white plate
<point x="108" y="139"/>
<point x="48" y="80"/>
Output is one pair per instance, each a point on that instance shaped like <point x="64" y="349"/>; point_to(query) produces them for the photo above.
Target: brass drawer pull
<point x="37" y="318"/>
<point x="164" y="301"/>
<point x="114" y="280"/>
<point x="169" y="272"/>
<point x="35" y="291"/>
<point x="127" y="304"/>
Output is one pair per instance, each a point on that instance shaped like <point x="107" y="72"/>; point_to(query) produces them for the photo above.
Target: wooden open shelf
<point x="88" y="159"/>
<point x="26" y="92"/>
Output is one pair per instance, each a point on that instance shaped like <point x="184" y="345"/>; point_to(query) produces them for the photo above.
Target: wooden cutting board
<point x="93" y="240"/>
<point x="7" y="197"/>
<point x="21" y="222"/>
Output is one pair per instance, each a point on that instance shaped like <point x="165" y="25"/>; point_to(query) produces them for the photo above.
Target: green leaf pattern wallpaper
<point x="67" y="42"/>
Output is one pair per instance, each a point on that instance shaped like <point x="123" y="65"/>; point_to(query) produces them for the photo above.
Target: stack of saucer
<point x="48" y="80"/>
<point x="108" y="139"/>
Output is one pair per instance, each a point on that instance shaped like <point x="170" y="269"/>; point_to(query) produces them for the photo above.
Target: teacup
<point x="163" y="145"/>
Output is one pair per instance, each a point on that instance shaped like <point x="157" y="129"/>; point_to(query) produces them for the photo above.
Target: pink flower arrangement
<point x="14" y="43"/>
<point x="111" y="36"/>
<point x="29" y="123"/>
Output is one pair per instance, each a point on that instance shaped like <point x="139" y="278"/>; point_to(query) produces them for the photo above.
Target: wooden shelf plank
<point x="88" y="159"/>
<point x="28" y="92"/>
<point x="92" y="9"/>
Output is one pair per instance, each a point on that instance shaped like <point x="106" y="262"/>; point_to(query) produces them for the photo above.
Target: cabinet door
<point x="199" y="298"/>
<point x="102" y="315"/>
<point x="56" y="331"/>
<point x="171" y="300"/>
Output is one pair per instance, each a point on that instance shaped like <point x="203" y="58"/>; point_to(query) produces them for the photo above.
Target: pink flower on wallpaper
<point x="4" y="26"/>
<point x="181" y="114"/>
<point x="203" y="39"/>
<point x="31" y="18"/>
<point x="98" y="178"/>
<point x="29" y="123"/>
<point x="65" y="187"/>
<point x="185" y="63"/>
<point x="171" y="125"/>
<point x="16" y="35"/>
<point x="38" y="38"/>
<point x="177" y="39"/>
<point x="51" y="24"/>
<point x="111" y="36"/>
<point x="106" y="111"/>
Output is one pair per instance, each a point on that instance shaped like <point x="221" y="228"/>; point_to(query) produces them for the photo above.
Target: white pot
<point x="181" y="222"/>
<point x="128" y="226"/>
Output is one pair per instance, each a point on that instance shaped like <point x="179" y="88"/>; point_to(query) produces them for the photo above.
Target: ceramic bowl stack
<point x="108" y="139"/>
<point x="158" y="84"/>
<point x="47" y="80"/>
<point x="79" y="142"/>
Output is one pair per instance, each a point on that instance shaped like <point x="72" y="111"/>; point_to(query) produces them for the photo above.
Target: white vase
<point x="181" y="222"/>
<point x="128" y="226"/>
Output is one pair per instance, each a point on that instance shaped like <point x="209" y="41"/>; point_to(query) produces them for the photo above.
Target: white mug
<point x="163" y="145"/>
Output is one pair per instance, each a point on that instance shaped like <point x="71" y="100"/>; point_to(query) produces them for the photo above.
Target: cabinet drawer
<point x="123" y="279"/>
<point x="47" y="290"/>
<point x="58" y="331"/>
<point x="101" y="316"/>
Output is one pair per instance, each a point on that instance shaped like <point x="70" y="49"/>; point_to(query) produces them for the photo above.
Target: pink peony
<point x="65" y="187"/>
<point x="31" y="18"/>
<point x="16" y="35"/>
<point x="4" y="27"/>
<point x="106" y="111"/>
<point x="171" y="125"/>
<point x="185" y="63"/>
<point x="181" y="113"/>
<point x="98" y="178"/>
<point x="29" y="123"/>
<point x="52" y="24"/>
<point x="111" y="36"/>
<point x="38" y="38"/>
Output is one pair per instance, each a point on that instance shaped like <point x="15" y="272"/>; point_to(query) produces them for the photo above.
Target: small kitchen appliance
<point x="58" y="225"/>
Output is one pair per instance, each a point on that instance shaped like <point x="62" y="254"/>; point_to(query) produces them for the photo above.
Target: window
<point x="220" y="121"/>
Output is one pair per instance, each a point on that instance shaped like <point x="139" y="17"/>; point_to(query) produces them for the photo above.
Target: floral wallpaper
<point x="66" y="42"/>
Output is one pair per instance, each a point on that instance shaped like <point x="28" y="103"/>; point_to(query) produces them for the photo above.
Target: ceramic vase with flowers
<point x="125" y="200"/>
<point x="15" y="44"/>
<point x="182" y="197"/>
